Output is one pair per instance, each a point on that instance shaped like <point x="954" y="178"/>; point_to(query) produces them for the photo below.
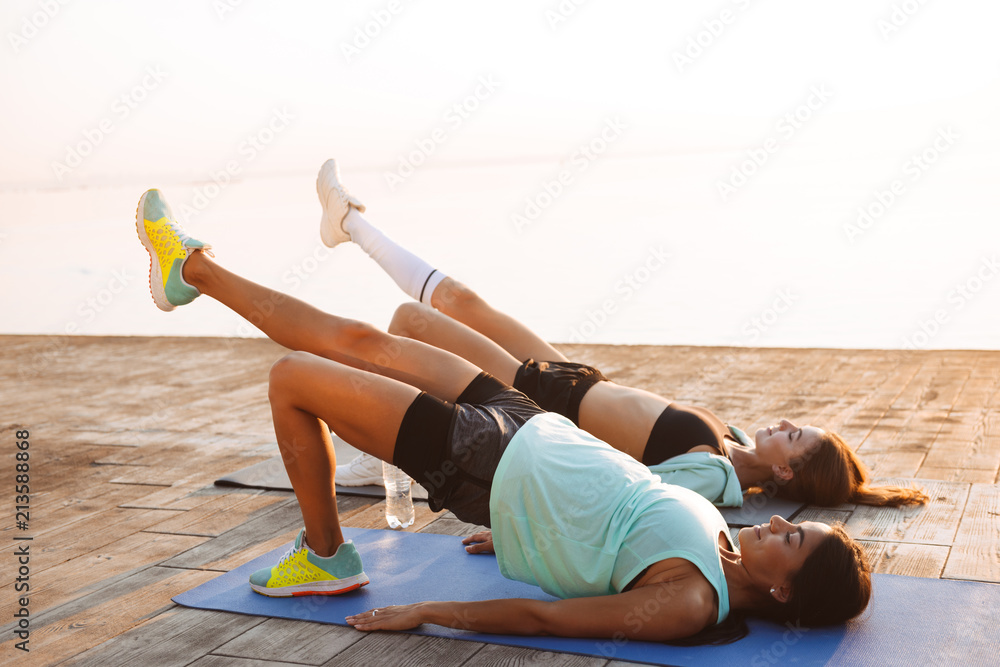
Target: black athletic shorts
<point x="557" y="386"/>
<point x="453" y="449"/>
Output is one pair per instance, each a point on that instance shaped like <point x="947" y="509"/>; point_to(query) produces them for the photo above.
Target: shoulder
<point x="682" y="584"/>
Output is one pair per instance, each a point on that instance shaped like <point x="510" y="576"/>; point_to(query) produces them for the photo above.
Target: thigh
<point x="423" y="323"/>
<point x="462" y="304"/>
<point x="364" y="409"/>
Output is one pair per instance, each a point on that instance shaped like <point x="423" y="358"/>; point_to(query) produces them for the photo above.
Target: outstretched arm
<point x="652" y="613"/>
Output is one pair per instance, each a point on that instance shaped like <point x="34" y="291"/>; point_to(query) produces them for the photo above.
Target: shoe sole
<point x="348" y="584"/>
<point x="159" y="296"/>
<point x="365" y="481"/>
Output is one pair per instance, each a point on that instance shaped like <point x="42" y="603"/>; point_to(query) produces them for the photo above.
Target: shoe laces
<point x="287" y="556"/>
<point x="184" y="237"/>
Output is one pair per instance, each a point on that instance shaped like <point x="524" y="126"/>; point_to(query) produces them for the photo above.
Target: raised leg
<point x="364" y="409"/>
<point x="423" y="323"/>
<point x="300" y="326"/>
<point x="464" y="305"/>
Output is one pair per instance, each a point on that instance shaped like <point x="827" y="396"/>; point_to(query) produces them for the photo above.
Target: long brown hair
<point x="831" y="474"/>
<point x="833" y="586"/>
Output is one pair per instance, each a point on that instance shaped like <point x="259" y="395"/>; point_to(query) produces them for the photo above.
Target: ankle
<point x="324" y="548"/>
<point x="195" y="269"/>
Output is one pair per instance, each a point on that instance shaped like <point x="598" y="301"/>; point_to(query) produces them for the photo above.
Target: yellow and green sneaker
<point x="168" y="247"/>
<point x="302" y="572"/>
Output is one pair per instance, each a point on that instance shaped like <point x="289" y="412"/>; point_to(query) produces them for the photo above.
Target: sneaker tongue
<point x="299" y="538"/>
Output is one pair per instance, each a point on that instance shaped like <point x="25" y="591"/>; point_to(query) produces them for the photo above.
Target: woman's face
<point x="774" y="552"/>
<point x="782" y="444"/>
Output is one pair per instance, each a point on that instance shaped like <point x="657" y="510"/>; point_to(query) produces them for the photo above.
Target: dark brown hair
<point x="833" y="586"/>
<point x="831" y="474"/>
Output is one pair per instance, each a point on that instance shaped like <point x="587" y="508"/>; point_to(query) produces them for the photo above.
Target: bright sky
<point x="744" y="137"/>
<point x="223" y="66"/>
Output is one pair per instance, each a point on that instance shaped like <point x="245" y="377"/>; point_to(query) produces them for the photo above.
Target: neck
<point x="743" y="594"/>
<point x="750" y="470"/>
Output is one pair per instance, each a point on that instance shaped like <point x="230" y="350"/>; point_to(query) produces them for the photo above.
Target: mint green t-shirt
<point x="578" y="518"/>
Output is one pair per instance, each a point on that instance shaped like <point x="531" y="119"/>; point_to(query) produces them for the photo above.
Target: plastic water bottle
<point x="398" y="502"/>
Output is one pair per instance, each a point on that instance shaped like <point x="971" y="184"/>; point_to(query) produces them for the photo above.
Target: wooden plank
<point x="92" y="533"/>
<point x="244" y="542"/>
<point x="967" y="440"/>
<point x="891" y="463"/>
<point x="91" y="571"/>
<point x="494" y="655"/>
<point x="823" y="515"/>
<point x="173" y="638"/>
<point x="403" y="650"/>
<point x="213" y="660"/>
<point x="77" y="626"/>
<point x="300" y="642"/>
<point x="178" y="496"/>
<point x="933" y="523"/>
<point x="374" y="517"/>
<point x="259" y="535"/>
<point x="219" y="514"/>
<point x="969" y="475"/>
<point x="976" y="553"/>
<point x="913" y="560"/>
<point x="447" y="524"/>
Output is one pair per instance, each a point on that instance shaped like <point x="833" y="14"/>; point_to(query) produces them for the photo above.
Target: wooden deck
<point x="128" y="434"/>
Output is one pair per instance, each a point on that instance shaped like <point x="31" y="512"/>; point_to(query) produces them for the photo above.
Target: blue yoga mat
<point x="930" y="621"/>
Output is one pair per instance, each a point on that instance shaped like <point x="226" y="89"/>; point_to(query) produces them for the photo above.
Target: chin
<point x="739" y="537"/>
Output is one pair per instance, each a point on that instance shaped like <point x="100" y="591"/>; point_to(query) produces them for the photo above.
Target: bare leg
<point x="365" y="409"/>
<point x="423" y="323"/>
<point x="300" y="326"/>
<point x="462" y="304"/>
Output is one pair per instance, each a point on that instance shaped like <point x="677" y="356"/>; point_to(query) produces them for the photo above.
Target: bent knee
<point x="286" y="373"/>
<point x="452" y="296"/>
<point x="411" y="319"/>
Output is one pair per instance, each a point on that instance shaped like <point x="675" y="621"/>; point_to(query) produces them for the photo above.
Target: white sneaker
<point x="365" y="470"/>
<point x="336" y="202"/>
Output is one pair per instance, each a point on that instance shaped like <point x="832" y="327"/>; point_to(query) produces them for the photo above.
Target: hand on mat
<point x="482" y="543"/>
<point x="395" y="617"/>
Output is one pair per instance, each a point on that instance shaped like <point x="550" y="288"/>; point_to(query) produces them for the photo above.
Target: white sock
<point x="413" y="275"/>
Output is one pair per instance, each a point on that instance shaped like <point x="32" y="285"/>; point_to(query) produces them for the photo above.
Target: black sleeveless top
<point x="682" y="427"/>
